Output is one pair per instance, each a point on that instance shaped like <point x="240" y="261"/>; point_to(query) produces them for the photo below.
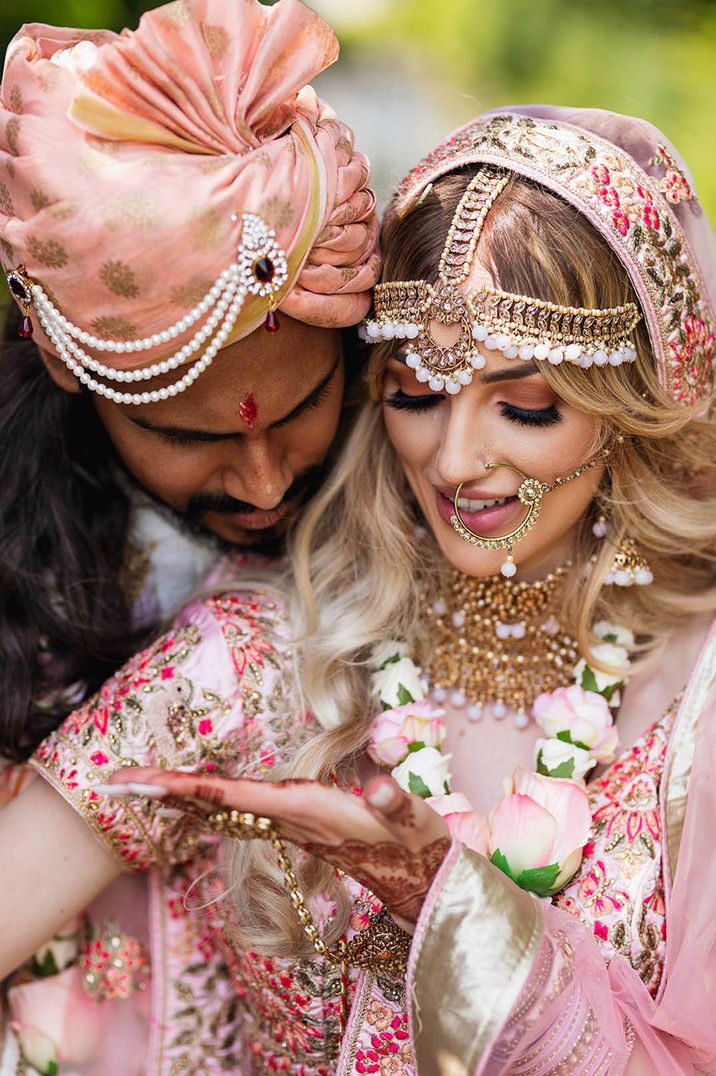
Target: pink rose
<point x="54" y="1020"/>
<point x="394" y="730"/>
<point x="537" y="833"/>
<point x="387" y="745"/>
<point x="579" y="717"/>
<point x="465" y="825"/>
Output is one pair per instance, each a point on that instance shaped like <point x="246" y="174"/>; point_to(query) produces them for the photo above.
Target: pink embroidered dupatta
<point x="500" y="982"/>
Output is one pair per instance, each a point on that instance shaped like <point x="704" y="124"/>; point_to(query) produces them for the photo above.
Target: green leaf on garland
<point x="611" y="638"/>
<point x="416" y="745"/>
<point x="446" y="787"/>
<point x="539" y="880"/>
<point x="498" y="859"/>
<point x="417" y="786"/>
<point x="565" y="769"/>
<point x="566" y="737"/>
<point x="45" y="967"/>
<point x="589" y="681"/>
<point x="608" y="692"/>
<point x="404" y="696"/>
<point x="390" y="661"/>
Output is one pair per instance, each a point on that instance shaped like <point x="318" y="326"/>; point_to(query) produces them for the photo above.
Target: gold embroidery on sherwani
<point x="682" y="751"/>
<point x="479" y="912"/>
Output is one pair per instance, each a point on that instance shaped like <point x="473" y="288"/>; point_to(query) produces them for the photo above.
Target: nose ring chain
<point x="530" y="493"/>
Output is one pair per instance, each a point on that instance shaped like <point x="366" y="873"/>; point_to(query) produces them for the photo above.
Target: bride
<point x="509" y="575"/>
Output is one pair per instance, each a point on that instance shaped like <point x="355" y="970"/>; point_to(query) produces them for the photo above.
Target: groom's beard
<point x="270" y="541"/>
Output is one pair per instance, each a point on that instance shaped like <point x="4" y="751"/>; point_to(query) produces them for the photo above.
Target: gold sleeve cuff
<point x="471" y="960"/>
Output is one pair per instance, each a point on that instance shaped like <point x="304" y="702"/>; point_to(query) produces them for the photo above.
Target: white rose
<point x="401" y="674"/>
<point x="622" y="636"/>
<point x="391" y="648"/>
<point x="609" y="654"/>
<point x="552" y="754"/>
<point x="430" y="770"/>
<point x="79" y="58"/>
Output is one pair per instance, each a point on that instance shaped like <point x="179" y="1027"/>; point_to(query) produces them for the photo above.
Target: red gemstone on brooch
<point x="25" y="330"/>
<point x="264" y="270"/>
<point x="271" y="324"/>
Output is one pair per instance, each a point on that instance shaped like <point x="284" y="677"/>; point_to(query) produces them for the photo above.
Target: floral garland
<point x="536" y="833"/>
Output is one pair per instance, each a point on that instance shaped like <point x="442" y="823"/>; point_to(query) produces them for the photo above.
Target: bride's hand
<point x="391" y="842"/>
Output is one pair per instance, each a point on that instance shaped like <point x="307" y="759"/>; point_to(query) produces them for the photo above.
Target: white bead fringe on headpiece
<point x="260" y="269"/>
<point x="516" y="325"/>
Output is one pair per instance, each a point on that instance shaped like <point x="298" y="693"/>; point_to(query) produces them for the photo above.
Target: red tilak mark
<point x="249" y="410"/>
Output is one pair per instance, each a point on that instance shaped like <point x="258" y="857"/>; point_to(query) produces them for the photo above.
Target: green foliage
<point x="566" y="737"/>
<point x="565" y="769"/>
<point x="539" y="880"/>
<point x="650" y="58"/>
<point x="589" y="683"/>
<point x="418" y="787"/>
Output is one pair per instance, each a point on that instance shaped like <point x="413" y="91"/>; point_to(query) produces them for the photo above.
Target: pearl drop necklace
<point x="496" y="644"/>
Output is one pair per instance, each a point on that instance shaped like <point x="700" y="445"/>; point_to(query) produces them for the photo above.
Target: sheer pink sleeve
<point x="502" y="983"/>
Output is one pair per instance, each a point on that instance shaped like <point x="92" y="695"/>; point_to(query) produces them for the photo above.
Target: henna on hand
<point x="399" y="877"/>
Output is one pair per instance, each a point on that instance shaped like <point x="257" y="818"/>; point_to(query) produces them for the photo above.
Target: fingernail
<point x="381" y="797"/>
<point x="155" y="792"/>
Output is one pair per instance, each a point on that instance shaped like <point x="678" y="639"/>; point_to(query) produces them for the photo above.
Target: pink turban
<point x="124" y="158"/>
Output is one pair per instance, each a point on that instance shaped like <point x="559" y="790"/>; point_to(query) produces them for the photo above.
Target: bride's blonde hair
<point x="356" y="567"/>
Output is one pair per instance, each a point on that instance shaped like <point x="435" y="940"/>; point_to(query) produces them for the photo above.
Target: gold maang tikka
<point x="516" y="325"/>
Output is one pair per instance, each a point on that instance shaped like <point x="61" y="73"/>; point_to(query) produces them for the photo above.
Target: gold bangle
<point x="241" y="824"/>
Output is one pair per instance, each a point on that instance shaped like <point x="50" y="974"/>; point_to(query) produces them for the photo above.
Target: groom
<point x="129" y="189"/>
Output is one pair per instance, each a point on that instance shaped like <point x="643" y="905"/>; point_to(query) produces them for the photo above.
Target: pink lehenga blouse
<point x="497" y="982"/>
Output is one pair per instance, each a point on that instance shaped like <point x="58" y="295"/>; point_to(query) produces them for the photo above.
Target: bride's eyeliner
<point x="403" y="401"/>
<point x="531" y="416"/>
<point x="524" y="416"/>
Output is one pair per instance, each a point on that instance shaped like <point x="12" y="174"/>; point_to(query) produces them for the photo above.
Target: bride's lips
<point x="498" y="519"/>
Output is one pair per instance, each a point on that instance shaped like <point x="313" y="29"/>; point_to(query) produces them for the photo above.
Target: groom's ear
<point x="59" y="373"/>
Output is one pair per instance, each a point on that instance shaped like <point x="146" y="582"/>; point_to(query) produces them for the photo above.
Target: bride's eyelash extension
<point x="529" y="416"/>
<point x="525" y="416"/>
<point x="402" y="401"/>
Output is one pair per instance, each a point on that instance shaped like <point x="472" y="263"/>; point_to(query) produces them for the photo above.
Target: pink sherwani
<point x="498" y="981"/>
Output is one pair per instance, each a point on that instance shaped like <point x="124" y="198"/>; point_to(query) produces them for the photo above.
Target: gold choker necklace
<point x="498" y="643"/>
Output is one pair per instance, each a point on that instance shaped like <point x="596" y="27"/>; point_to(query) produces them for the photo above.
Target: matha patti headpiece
<point x="516" y="325"/>
<point x="625" y="178"/>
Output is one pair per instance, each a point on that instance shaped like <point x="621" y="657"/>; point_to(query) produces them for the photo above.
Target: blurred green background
<point x="413" y="69"/>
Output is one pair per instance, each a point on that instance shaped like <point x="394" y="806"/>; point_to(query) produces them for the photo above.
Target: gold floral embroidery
<point x="217" y="40"/>
<point x="624" y="858"/>
<point x="111" y="327"/>
<point x="12" y="129"/>
<point x="47" y="252"/>
<point x="120" y="279"/>
<point x="6" y="205"/>
<point x="114" y="964"/>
